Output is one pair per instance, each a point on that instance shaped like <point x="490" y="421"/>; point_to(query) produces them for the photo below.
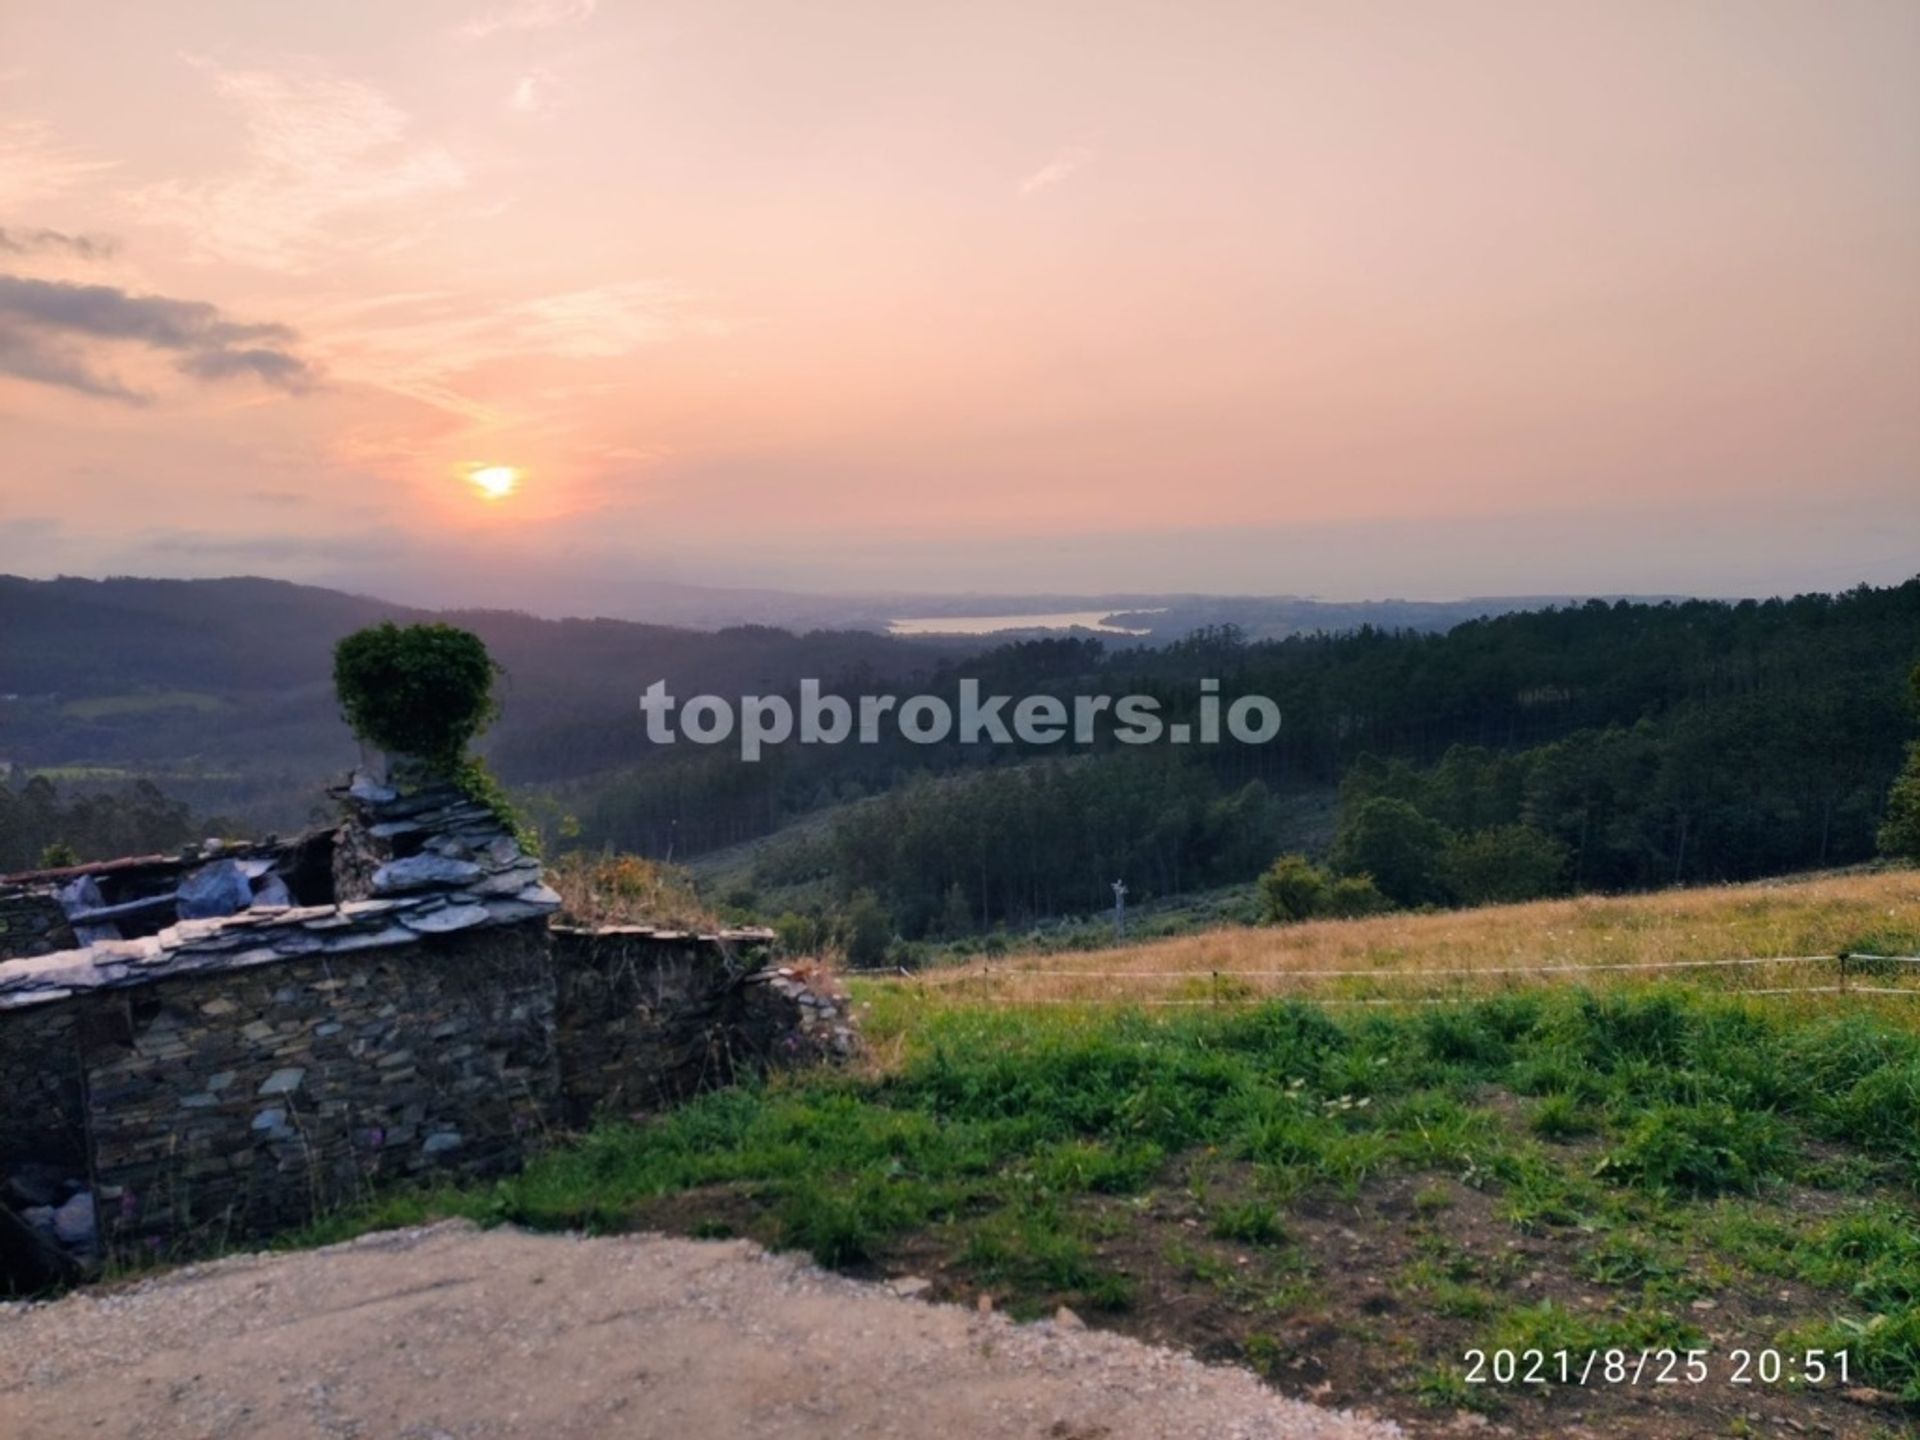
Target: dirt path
<point x="451" y="1333"/>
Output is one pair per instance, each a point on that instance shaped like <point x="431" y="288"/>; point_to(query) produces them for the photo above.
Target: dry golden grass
<point x="600" y="890"/>
<point x="1471" y="952"/>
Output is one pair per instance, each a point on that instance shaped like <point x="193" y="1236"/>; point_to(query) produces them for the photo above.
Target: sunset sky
<point x="1350" y="299"/>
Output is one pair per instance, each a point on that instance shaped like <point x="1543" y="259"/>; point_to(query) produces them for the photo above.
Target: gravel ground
<point x="453" y="1333"/>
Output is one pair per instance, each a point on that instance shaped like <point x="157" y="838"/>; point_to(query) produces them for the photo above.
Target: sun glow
<point x="495" y="482"/>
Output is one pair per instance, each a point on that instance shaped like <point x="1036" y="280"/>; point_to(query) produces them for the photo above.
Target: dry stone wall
<point x="647" y="1016"/>
<point x="232" y="1076"/>
<point x="31" y="923"/>
<point x="240" y="1103"/>
<point x="42" y="1084"/>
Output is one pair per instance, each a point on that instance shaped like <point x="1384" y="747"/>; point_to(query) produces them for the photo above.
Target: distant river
<point x="995" y="624"/>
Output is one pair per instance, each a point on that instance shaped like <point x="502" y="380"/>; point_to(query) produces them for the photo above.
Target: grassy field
<point x="1471" y="953"/>
<point x="1350" y="1200"/>
<point x="144" y="702"/>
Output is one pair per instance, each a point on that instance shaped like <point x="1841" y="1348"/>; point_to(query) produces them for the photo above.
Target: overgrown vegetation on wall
<point x="418" y="690"/>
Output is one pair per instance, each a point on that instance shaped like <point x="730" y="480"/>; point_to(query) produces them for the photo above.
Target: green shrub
<point x="1503" y="864"/>
<point x="58" y="856"/>
<point x="1881" y="1112"/>
<point x="802" y="934"/>
<point x="865" y="931"/>
<point x="1900" y="831"/>
<point x="1350" y="897"/>
<point x="846" y="1221"/>
<point x="1701" y="1150"/>
<point x="1399" y="847"/>
<point x="1077" y="1166"/>
<point x="1885" y="1350"/>
<point x="1293" y="888"/>
<point x="1561" y="1117"/>
<point x="1624" y="1260"/>
<point x="1611" y="1030"/>
<point x="417" y="690"/>
<point x="1250" y="1222"/>
<point x="1899" y="836"/>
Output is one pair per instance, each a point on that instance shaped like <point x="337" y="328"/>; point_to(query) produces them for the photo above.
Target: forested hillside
<point x="1608" y="745"/>
<point x="1601" y="747"/>
<point x="220" y="690"/>
<point x="39" y="826"/>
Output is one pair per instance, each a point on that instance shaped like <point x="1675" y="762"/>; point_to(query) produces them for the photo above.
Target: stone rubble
<point x="824" y="1025"/>
<point x="468" y="874"/>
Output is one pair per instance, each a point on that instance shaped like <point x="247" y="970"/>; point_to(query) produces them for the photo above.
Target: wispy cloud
<point x="35" y="163"/>
<point x="50" y="332"/>
<point x="532" y="92"/>
<point x="609" y="320"/>
<point x="419" y="344"/>
<point x="320" y="150"/>
<point x="528" y="15"/>
<point x="41" y="242"/>
<point x="30" y="354"/>
<point x="1062" y="165"/>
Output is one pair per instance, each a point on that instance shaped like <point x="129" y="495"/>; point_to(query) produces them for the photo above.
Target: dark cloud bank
<point x="40" y="242"/>
<point x="49" y="331"/>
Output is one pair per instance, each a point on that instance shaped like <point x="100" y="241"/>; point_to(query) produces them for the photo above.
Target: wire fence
<point x="1230" y="987"/>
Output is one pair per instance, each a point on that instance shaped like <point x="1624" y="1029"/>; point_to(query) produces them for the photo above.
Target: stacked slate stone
<point x="31" y="923"/>
<point x="819" y="1027"/>
<point x="452" y="865"/>
<point x="449" y="858"/>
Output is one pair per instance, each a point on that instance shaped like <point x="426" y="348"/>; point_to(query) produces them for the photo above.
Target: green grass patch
<point x="1004" y="1136"/>
<point x="1250" y="1221"/>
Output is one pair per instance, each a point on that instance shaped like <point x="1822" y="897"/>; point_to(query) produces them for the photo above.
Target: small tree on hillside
<point x="1900" y="830"/>
<point x="1293" y="889"/>
<point x="1398" y="846"/>
<point x="956" y="917"/>
<point x="1503" y="863"/>
<point x="1352" y="896"/>
<point x="417" y="690"/>
<point x="866" y="931"/>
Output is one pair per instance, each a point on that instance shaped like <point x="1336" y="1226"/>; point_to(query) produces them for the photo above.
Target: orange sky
<point x="1346" y="298"/>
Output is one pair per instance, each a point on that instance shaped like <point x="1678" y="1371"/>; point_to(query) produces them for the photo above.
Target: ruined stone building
<point x="212" y="1046"/>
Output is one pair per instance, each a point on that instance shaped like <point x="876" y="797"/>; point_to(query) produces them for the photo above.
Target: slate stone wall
<point x="649" y="1017"/>
<point x="207" y="1105"/>
<point x="643" y="1017"/>
<point x="244" y="1102"/>
<point x="240" y="1073"/>
<point x="42" y="1070"/>
<point x="31" y="923"/>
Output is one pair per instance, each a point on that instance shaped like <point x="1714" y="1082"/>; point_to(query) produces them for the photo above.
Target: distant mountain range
<point x="222" y="687"/>
<point x="702" y="607"/>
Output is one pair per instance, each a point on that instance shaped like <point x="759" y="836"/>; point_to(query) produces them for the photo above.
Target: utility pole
<point x="1119" y="909"/>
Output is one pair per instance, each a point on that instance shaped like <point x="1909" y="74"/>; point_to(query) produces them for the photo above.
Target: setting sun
<point x="496" y="482"/>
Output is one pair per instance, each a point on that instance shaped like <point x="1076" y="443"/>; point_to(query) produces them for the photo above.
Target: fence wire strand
<point x="963" y="984"/>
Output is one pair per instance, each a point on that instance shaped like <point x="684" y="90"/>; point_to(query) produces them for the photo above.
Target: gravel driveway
<point x="453" y="1333"/>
